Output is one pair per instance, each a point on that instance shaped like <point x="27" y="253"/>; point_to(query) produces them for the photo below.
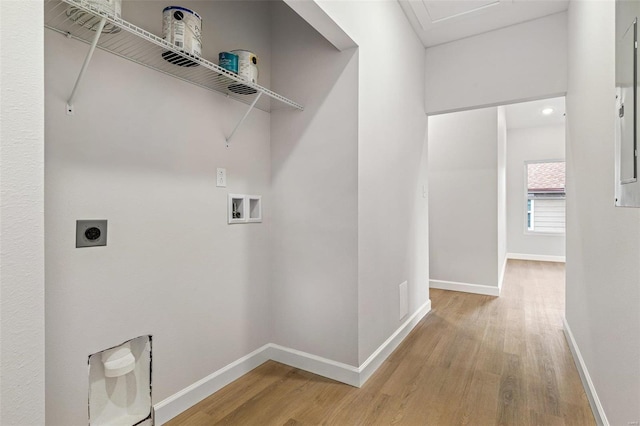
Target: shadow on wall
<point x="314" y="160"/>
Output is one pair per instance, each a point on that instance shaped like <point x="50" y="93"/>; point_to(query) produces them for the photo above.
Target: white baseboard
<point x="487" y="290"/>
<point x="315" y="364"/>
<point x="354" y="376"/>
<point x="587" y="383"/>
<point x="168" y="408"/>
<point x="376" y="359"/>
<point x="502" y="271"/>
<point x="537" y="257"/>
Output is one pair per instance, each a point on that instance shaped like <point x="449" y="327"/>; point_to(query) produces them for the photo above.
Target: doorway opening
<point x="496" y="192"/>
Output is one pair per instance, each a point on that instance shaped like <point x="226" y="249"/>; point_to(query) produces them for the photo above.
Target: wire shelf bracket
<point x="244" y="117"/>
<point x="84" y="21"/>
<point x="85" y="64"/>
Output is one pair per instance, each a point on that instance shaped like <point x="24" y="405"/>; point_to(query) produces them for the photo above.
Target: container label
<point x="196" y="44"/>
<point x="178" y="33"/>
<point x="228" y="61"/>
<point x="183" y="29"/>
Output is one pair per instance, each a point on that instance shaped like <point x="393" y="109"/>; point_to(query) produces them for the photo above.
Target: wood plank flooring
<point x="474" y="360"/>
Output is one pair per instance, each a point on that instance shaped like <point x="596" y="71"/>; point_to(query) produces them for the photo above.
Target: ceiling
<point x="442" y="21"/>
<point x="529" y="114"/>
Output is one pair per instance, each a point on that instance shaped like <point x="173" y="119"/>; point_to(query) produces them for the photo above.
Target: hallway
<point x="474" y="360"/>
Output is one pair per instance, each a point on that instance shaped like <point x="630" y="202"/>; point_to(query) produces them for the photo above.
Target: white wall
<point x="315" y="186"/>
<point x="22" y="348"/>
<point x="603" y="242"/>
<point x="392" y="160"/>
<point x="463" y="197"/>
<point x="521" y="62"/>
<point x="530" y="144"/>
<point x="141" y="151"/>
<point x="173" y="267"/>
<point x="502" y="192"/>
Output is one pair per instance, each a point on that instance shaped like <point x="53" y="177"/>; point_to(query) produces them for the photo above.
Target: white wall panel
<point x="520" y="62"/>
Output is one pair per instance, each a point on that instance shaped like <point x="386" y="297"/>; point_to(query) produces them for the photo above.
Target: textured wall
<point x="603" y="242"/>
<point x="519" y="62"/>
<point x="141" y="151"/>
<point x="315" y="183"/>
<point x="463" y="197"/>
<point x="393" y="236"/>
<point x="21" y="214"/>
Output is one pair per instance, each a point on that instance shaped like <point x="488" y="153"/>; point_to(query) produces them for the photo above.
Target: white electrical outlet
<point x="221" y="177"/>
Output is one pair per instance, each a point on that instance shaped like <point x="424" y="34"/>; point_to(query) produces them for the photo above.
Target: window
<point x="545" y="187"/>
<point x="529" y="215"/>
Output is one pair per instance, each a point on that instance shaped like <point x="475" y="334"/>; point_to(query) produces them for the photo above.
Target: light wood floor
<point x="474" y="360"/>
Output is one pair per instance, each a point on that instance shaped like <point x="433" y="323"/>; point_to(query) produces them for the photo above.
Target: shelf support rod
<point x="246" y="114"/>
<point x="94" y="43"/>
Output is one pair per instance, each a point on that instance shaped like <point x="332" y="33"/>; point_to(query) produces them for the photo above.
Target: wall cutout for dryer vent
<point x="244" y="208"/>
<point x="120" y="384"/>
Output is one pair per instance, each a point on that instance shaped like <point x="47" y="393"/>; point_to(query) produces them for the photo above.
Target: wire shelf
<point x="79" y="19"/>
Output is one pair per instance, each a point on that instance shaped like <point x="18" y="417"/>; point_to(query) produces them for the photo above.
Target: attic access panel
<point x="443" y="10"/>
<point x="434" y="12"/>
